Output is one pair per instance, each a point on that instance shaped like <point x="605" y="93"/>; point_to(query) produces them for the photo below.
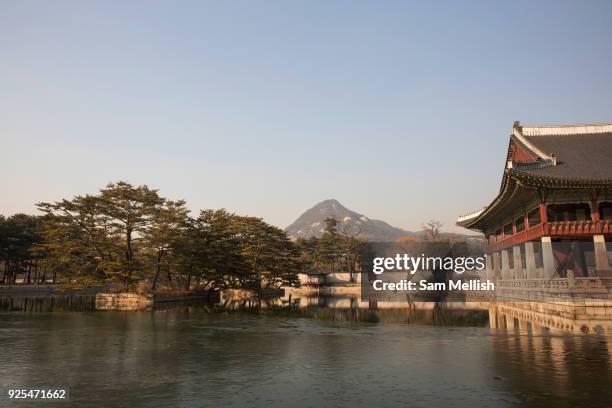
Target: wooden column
<point x="549" y="269"/>
<point x="595" y="216"/>
<point x="543" y="214"/>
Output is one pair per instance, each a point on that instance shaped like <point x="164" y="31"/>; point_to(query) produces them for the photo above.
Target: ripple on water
<point x="178" y="358"/>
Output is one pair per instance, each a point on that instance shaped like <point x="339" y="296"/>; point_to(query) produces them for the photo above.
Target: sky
<point x="401" y="111"/>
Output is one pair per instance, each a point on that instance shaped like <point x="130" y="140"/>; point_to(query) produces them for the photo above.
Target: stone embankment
<point x="136" y="301"/>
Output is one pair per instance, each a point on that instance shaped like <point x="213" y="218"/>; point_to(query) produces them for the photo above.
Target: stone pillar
<point x="510" y="323"/>
<point x="601" y="255"/>
<point x="505" y="264"/>
<point x="501" y="321"/>
<point x="492" y="317"/>
<point x="518" y="264"/>
<point x="548" y="260"/>
<point x="496" y="265"/>
<point x="530" y="261"/>
<point x="489" y="266"/>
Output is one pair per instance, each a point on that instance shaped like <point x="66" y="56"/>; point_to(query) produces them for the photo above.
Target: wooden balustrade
<point x="554" y="229"/>
<point x="579" y="228"/>
<point x="522" y="236"/>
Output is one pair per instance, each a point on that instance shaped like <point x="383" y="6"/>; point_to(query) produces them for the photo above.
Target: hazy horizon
<point x="401" y="112"/>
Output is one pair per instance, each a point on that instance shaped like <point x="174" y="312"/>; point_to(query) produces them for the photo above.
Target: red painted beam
<point x="565" y="229"/>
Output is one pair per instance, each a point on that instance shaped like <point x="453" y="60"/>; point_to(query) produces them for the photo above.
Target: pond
<point x="253" y="355"/>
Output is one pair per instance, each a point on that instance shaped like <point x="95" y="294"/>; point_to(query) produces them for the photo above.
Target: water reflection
<point x="555" y="370"/>
<point x="323" y="352"/>
<point x="353" y="309"/>
<point x="47" y="303"/>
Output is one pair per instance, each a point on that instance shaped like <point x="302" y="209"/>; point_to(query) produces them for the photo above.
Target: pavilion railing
<point x="584" y="227"/>
<point x="553" y="229"/>
<point x="556" y="283"/>
<point x="522" y="236"/>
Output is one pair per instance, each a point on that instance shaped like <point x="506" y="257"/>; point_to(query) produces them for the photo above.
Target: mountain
<point x="312" y="224"/>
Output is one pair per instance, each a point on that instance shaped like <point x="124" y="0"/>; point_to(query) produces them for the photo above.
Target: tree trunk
<point x="36" y="271"/>
<point x="157" y="270"/>
<point x="129" y="253"/>
<point x="29" y="278"/>
<point x="7" y="276"/>
<point x="14" y="272"/>
<point x="188" y="280"/>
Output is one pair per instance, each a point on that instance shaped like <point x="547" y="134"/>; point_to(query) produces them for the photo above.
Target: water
<point x="315" y="357"/>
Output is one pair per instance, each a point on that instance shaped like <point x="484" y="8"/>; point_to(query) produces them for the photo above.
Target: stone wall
<point x="244" y="294"/>
<point x="579" y="315"/>
<point x="352" y="289"/>
<point x="135" y="301"/>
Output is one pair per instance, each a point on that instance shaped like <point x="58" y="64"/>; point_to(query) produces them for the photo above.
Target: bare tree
<point x="432" y="229"/>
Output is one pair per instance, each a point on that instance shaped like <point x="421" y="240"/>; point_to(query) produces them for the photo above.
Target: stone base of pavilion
<point x="579" y="316"/>
<point x="567" y="304"/>
<point x="555" y="288"/>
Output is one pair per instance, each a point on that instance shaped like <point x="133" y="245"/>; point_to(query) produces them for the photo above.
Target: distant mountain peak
<point x="312" y="223"/>
<point x="330" y="202"/>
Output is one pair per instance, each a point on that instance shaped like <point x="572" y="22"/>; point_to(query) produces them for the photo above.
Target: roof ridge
<point x="570" y="125"/>
<point x="560" y="130"/>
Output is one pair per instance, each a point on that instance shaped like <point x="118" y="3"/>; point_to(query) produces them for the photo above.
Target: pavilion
<point x="552" y="218"/>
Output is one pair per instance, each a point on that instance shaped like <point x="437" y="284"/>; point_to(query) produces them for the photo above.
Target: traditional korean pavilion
<point x="552" y="217"/>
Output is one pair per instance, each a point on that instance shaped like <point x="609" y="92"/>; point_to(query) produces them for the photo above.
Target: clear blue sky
<point x="399" y="110"/>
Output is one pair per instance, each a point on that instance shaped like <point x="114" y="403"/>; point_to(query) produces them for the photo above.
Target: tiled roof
<point x="569" y="156"/>
<point x="575" y="152"/>
<point x="578" y="155"/>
